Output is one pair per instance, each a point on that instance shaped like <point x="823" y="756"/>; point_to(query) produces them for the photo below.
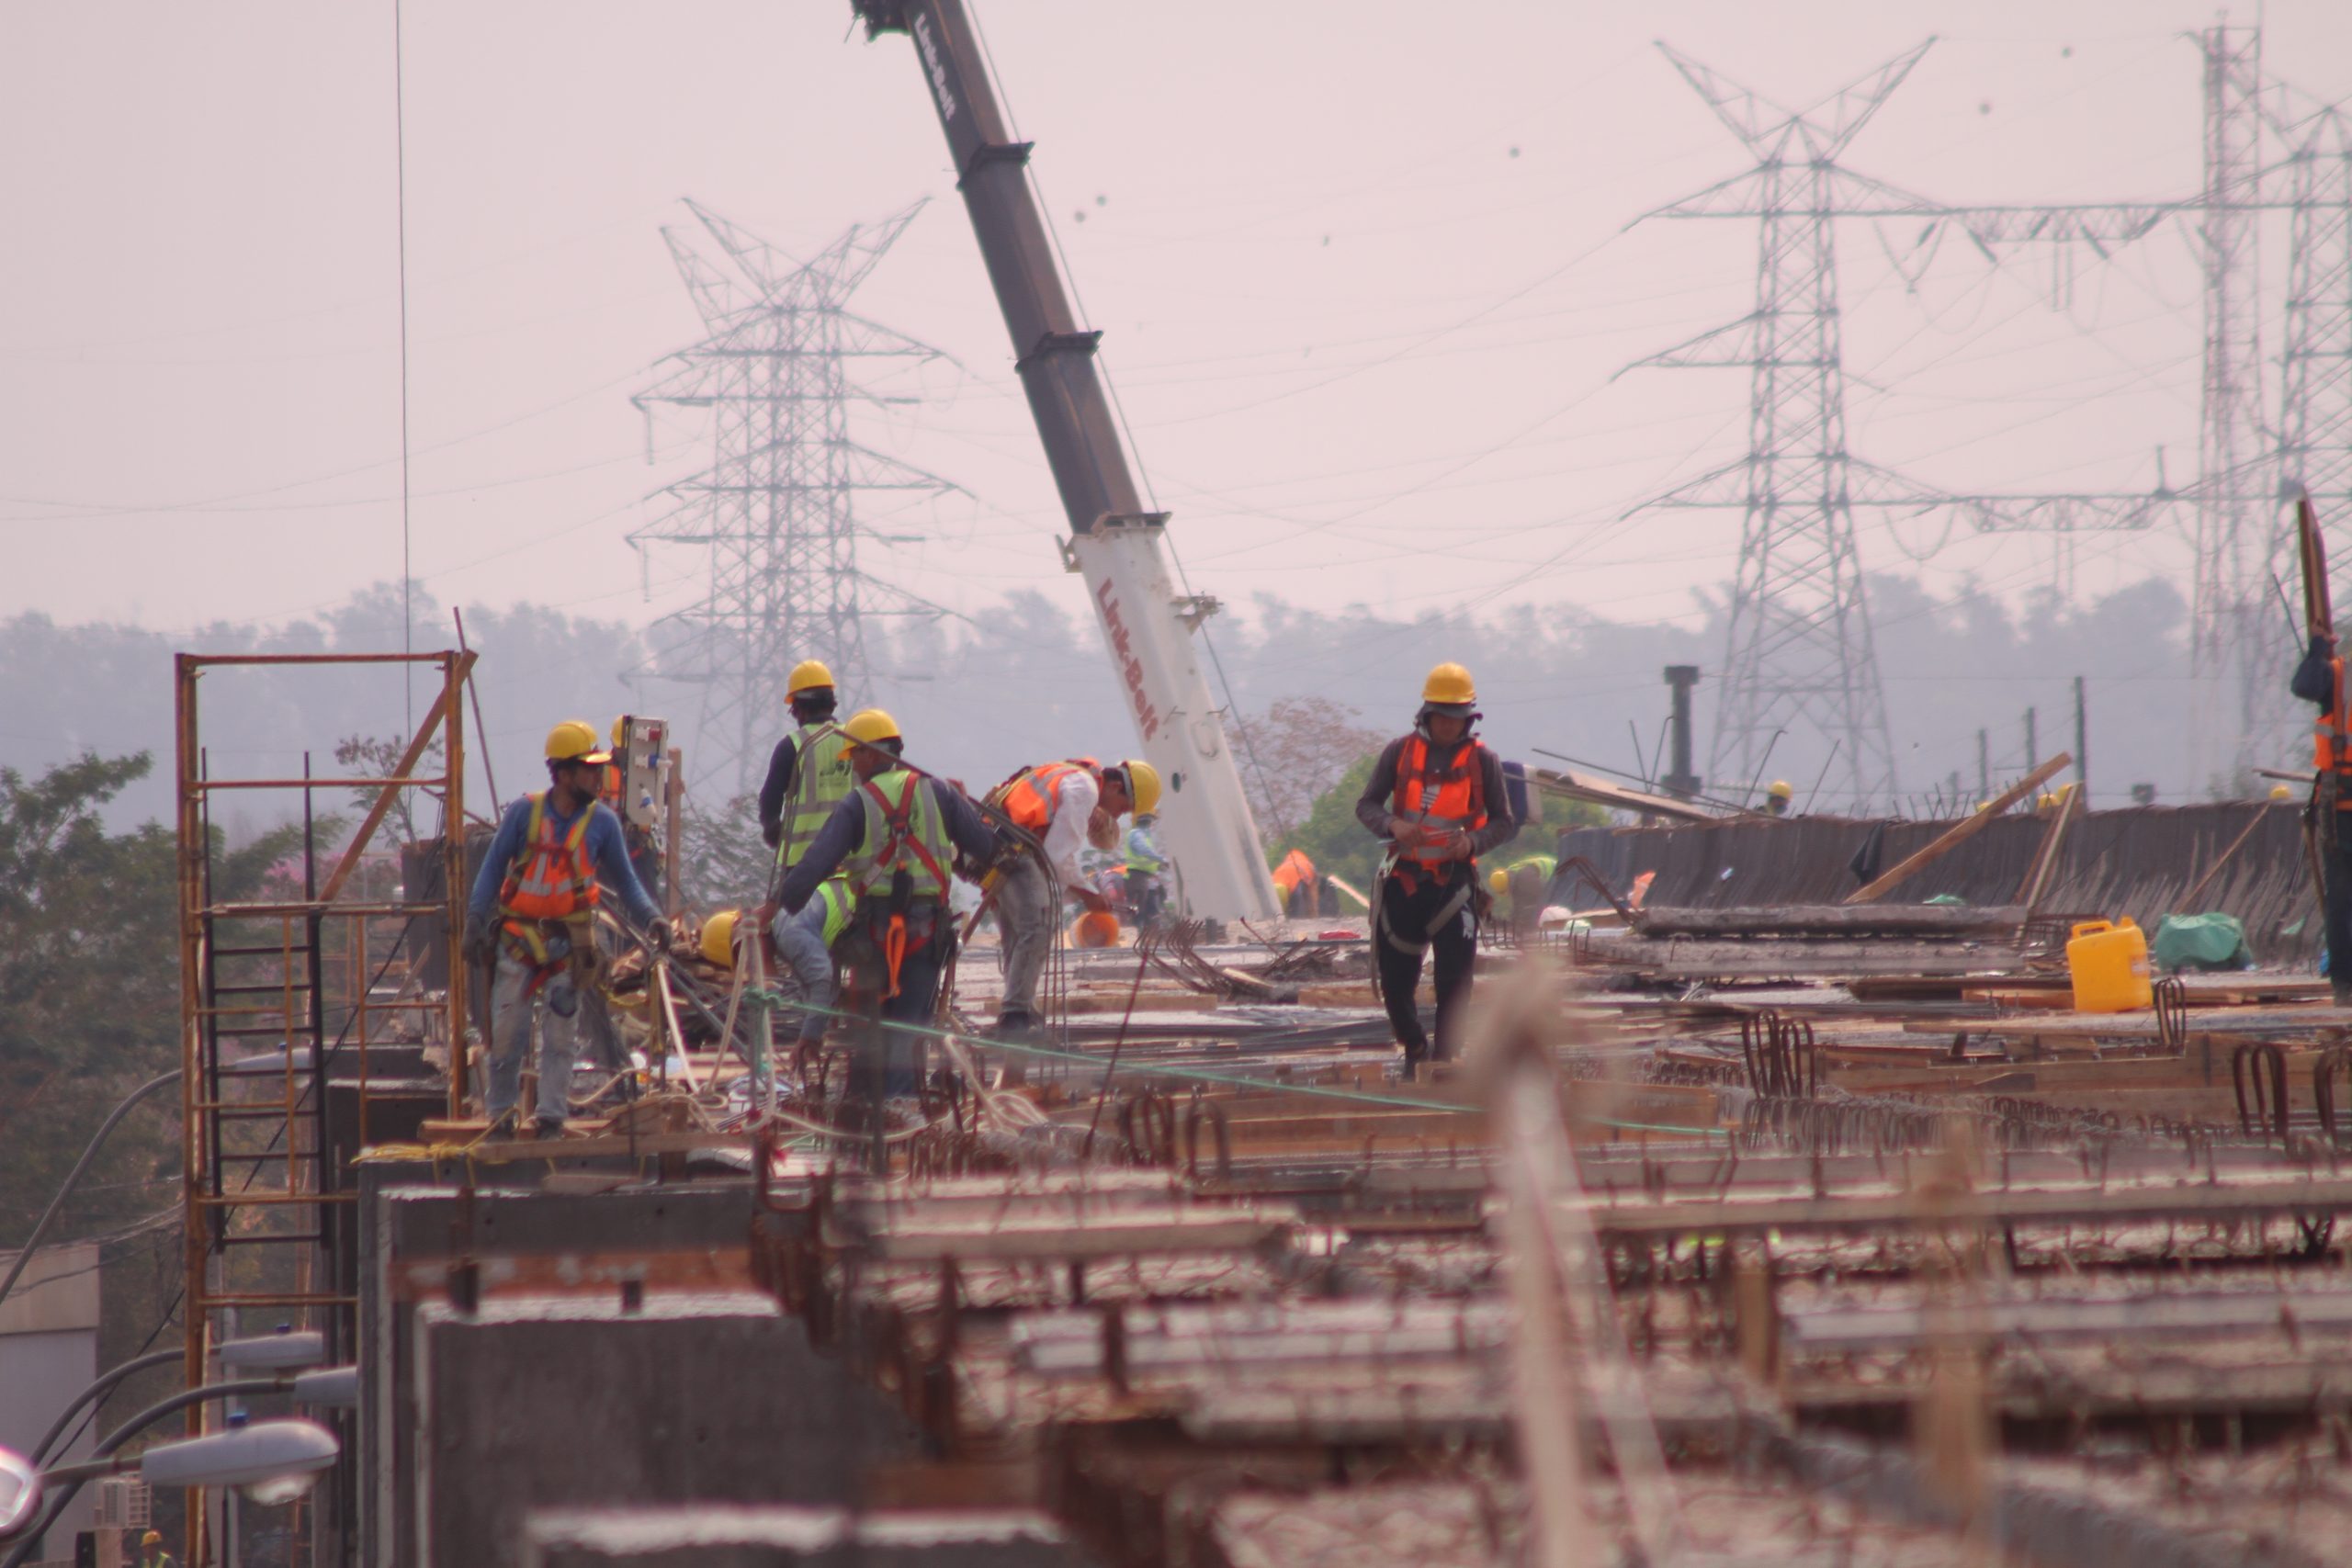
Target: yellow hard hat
<point x="2280" y="791"/>
<point x="1143" y="785"/>
<point x="620" y="731"/>
<point x="871" y="725"/>
<point x="1449" y="684"/>
<point x="1498" y="881"/>
<point x="574" y="741"/>
<point x="1781" y="790"/>
<point x="807" y="675"/>
<point x="152" y="1538"/>
<point x="718" y="939"/>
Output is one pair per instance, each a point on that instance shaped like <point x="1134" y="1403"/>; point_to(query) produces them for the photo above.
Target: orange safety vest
<point x="2331" y="749"/>
<point x="553" y="878"/>
<point x="1030" y="796"/>
<point x="1440" y="799"/>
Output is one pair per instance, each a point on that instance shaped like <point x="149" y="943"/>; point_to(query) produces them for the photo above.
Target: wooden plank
<point x="1831" y="920"/>
<point x="1960" y="832"/>
<point x="1877" y="1212"/>
<point x="1600" y="792"/>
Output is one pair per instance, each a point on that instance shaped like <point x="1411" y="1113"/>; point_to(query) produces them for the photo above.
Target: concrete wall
<point x="49" y="1353"/>
<point x="533" y="1401"/>
<point x="2142" y="862"/>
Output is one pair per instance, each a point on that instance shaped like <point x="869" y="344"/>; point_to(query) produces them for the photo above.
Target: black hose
<point x="98" y="1390"/>
<point x="57" y="1204"/>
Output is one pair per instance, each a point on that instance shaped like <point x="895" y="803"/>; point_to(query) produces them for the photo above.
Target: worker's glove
<point x="773" y="832"/>
<point x="482" y="943"/>
<point x="657" y="936"/>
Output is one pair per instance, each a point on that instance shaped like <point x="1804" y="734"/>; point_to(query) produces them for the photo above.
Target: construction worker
<point x="805" y="943"/>
<point x="2319" y="678"/>
<point x="1146" y="866"/>
<point x="1063" y="805"/>
<point x="897" y="834"/>
<point x="533" y="907"/>
<point x="1294" y="882"/>
<point x="1777" y="798"/>
<point x="1436" y="798"/>
<point x="1521" y="890"/>
<point x="151" y="1553"/>
<point x="809" y="774"/>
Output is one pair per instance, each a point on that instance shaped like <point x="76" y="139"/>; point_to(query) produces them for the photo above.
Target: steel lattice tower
<point x="2314" y="384"/>
<point x="1799" y="655"/>
<point x="776" y="509"/>
<point x="2230" y="493"/>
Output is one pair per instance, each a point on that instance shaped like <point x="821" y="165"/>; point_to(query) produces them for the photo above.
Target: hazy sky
<point x="1360" y="267"/>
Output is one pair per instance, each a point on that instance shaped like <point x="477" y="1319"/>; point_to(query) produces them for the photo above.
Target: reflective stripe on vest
<point x="1032" y="795"/>
<point x="1440" y="800"/>
<point x="821" y="778"/>
<point x="904" y="831"/>
<point x="553" y="877"/>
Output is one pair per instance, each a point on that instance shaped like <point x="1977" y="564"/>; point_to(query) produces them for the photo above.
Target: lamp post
<point x="30" y="1511"/>
<point x="271" y="1462"/>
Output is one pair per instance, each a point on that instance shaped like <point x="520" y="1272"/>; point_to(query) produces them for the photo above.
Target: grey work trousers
<point x="1026" y="920"/>
<point x="511" y="1011"/>
<point x="800" y="941"/>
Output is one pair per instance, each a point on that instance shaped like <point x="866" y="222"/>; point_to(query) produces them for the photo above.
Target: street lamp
<point x="271" y="1462"/>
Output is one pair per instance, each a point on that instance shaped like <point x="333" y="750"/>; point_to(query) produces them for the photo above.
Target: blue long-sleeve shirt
<point x="607" y="851"/>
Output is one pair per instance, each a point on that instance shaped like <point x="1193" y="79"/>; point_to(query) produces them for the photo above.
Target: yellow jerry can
<point x="2108" y="964"/>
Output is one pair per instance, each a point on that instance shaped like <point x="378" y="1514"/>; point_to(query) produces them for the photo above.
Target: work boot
<point x="1018" y="1024"/>
<point x="548" y="1127"/>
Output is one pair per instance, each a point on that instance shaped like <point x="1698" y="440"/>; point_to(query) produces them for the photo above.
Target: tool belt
<point x="550" y="948"/>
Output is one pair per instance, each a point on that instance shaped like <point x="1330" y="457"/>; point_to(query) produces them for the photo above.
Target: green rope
<point x="769" y="1000"/>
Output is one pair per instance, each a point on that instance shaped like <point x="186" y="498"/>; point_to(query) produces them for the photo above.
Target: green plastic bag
<point x="2200" y="942"/>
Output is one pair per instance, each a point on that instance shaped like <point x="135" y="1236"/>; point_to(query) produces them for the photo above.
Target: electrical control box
<point x="644" y="761"/>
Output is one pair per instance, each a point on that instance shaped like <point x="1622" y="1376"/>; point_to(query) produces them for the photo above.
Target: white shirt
<point x="1075" y="799"/>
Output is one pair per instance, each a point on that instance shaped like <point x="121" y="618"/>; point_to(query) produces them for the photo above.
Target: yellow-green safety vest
<point x="841" y="905"/>
<point x="904" y="831"/>
<point x="821" y="778"/>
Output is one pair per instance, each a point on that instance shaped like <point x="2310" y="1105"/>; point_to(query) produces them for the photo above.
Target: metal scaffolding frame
<point x="258" y="1172"/>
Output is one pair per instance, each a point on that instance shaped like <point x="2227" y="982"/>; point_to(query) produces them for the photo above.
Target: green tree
<point x="89" y="989"/>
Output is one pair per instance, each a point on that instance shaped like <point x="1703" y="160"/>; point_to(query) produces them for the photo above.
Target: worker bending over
<point x="531" y="916"/>
<point x="1063" y="805"/>
<point x="1521" y="890"/>
<point x="2319" y="678"/>
<point x="1436" y="796"/>
<point x="805" y="943"/>
<point x="897" y="835"/>
<point x="808" y="773"/>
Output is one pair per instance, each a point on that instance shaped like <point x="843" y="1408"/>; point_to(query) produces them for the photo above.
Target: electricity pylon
<point x="776" y="509"/>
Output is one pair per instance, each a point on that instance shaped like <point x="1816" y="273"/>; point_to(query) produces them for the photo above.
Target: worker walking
<point x="1063" y="805"/>
<point x="1437" y="798"/>
<point x="1777" y="798"/>
<point x="531" y="916"/>
<point x="1146" y="892"/>
<point x="1521" y="890"/>
<point x="2319" y="678"/>
<point x="897" y="835"/>
<point x="808" y="773"/>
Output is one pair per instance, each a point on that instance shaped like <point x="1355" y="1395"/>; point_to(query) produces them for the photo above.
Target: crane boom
<point x="1114" y="541"/>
